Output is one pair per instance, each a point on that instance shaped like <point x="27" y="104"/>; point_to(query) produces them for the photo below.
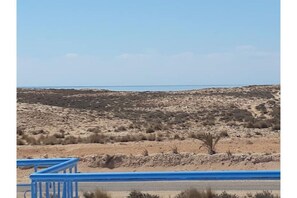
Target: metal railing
<point x="60" y="178"/>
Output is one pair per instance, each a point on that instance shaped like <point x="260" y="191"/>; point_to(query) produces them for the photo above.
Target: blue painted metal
<point x="70" y="180"/>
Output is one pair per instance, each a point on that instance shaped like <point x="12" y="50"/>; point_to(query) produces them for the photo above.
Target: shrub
<point x="70" y="140"/>
<point x="176" y="137"/>
<point x="276" y="127"/>
<point x="50" y="140"/>
<point x="41" y="131"/>
<point x="30" y="140"/>
<point x="94" y="130"/>
<point x="95" y="138"/>
<point x="20" y="131"/>
<point x="150" y="130"/>
<point x="145" y="152"/>
<point x="265" y="194"/>
<point x="194" y="193"/>
<point x="20" y="142"/>
<point x="137" y="194"/>
<point x="226" y="195"/>
<point x="209" y="141"/>
<point x="224" y="134"/>
<point x="174" y="150"/>
<point x="151" y="137"/>
<point x="98" y="194"/>
<point x="59" y="135"/>
<point x="229" y="154"/>
<point x="121" y="128"/>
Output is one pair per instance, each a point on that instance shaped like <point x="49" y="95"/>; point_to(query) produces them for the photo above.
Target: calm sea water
<point x="139" y="88"/>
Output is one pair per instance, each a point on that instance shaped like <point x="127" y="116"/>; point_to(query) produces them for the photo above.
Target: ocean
<point x="138" y="88"/>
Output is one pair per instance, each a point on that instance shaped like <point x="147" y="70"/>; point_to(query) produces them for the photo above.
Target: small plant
<point x="150" y="130"/>
<point x="265" y="194"/>
<point x="224" y="134"/>
<point x="209" y="141"/>
<point x="176" y="137"/>
<point x="97" y="194"/>
<point x="194" y="193"/>
<point x="229" y="154"/>
<point x="20" y="142"/>
<point x="174" y="150"/>
<point x="138" y="194"/>
<point x="145" y="152"/>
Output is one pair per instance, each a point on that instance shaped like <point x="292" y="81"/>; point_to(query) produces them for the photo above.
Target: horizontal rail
<point x="158" y="176"/>
<point x="44" y="162"/>
<point x="59" y="167"/>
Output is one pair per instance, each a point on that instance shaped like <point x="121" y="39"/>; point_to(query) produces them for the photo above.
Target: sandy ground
<point x="239" y="145"/>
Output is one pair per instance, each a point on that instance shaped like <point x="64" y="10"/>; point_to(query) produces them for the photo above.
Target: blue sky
<point x="149" y="42"/>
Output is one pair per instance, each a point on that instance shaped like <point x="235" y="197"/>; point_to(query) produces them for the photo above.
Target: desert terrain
<point x="151" y="131"/>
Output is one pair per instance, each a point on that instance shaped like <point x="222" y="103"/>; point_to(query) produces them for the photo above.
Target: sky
<point x="148" y="42"/>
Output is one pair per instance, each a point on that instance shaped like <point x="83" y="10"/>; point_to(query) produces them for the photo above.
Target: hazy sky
<point x="147" y="42"/>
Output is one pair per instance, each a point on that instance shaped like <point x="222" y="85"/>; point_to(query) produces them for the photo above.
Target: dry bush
<point x="264" y="194"/>
<point x="94" y="130"/>
<point x="150" y="130"/>
<point x="224" y="134"/>
<point x="50" y="140"/>
<point x="151" y="137"/>
<point x="41" y="131"/>
<point x="70" y="140"/>
<point x="137" y="194"/>
<point x="174" y="150"/>
<point x="96" y="138"/>
<point x="121" y="128"/>
<point x="59" y="135"/>
<point x="176" y="137"/>
<point x="30" y="140"/>
<point x="20" y="142"/>
<point x="229" y="153"/>
<point x="194" y="193"/>
<point x="145" y="152"/>
<point x="97" y="194"/>
<point x="209" y="141"/>
<point x="20" y="131"/>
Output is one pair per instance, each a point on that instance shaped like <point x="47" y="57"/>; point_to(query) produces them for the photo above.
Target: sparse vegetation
<point x="264" y="194"/>
<point x="189" y="193"/>
<point x="194" y="193"/>
<point x="138" y="194"/>
<point x="209" y="141"/>
<point x="97" y="194"/>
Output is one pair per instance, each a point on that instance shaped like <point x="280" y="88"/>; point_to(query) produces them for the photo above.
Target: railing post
<point x="54" y="190"/>
<point x="40" y="189"/>
<point x="76" y="185"/>
<point x="47" y="190"/>
<point x="33" y="190"/>
<point x="59" y="190"/>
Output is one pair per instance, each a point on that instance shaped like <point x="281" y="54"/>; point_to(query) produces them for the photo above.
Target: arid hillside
<point x="151" y="131"/>
<point x="71" y="116"/>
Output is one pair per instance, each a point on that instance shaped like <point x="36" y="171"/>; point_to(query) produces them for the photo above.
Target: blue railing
<point x="60" y="176"/>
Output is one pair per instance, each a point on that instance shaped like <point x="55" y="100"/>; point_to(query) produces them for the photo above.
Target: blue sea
<point x="139" y="88"/>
